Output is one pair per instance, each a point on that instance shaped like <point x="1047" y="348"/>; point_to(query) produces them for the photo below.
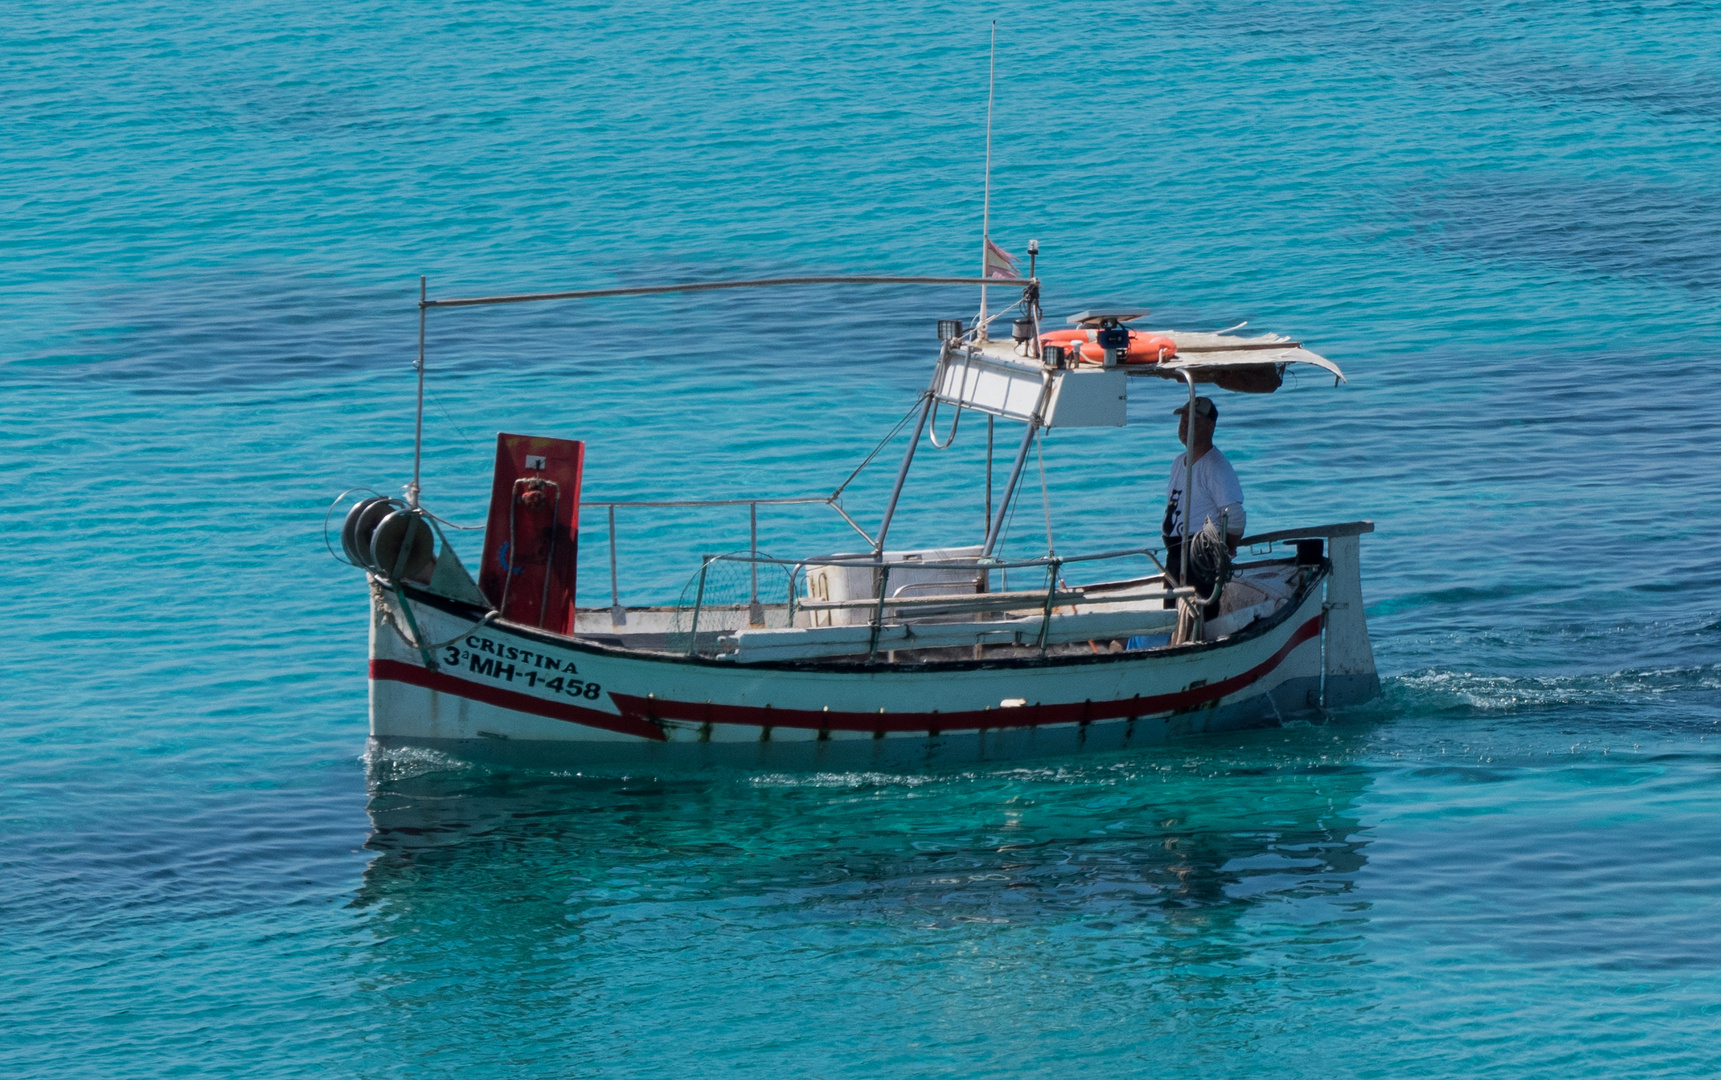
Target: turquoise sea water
<point x="1503" y="220"/>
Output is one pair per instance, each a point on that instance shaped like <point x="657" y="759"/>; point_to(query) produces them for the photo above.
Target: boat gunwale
<point x="1255" y="629"/>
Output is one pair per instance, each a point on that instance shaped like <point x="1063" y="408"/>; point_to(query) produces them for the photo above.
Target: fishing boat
<point x="878" y="656"/>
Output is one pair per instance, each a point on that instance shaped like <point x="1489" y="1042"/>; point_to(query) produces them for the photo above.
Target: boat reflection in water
<point x="471" y="862"/>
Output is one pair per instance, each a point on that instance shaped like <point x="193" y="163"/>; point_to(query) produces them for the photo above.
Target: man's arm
<point x="1236" y="520"/>
<point x="1229" y="510"/>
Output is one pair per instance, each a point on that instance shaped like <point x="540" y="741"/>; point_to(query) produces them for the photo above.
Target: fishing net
<point x="718" y="598"/>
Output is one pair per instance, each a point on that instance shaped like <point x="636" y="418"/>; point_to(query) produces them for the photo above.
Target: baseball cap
<point x="1203" y="407"/>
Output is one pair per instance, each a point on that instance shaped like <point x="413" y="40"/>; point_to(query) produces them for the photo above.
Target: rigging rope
<point x="431" y="646"/>
<point x="900" y="424"/>
<point x="450" y="524"/>
<point x="990" y="319"/>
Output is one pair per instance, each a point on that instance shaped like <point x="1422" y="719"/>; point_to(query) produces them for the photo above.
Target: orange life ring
<point x="1144" y="348"/>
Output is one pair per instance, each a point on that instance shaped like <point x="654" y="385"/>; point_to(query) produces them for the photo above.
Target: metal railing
<point x="618" y="614"/>
<point x="1052" y="594"/>
<point x="1048" y="598"/>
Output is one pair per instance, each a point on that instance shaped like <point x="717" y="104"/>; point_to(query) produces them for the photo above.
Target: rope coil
<point x="1209" y="560"/>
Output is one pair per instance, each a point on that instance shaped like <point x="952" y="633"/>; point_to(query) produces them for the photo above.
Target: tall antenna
<point x="418" y="426"/>
<point x="986" y="204"/>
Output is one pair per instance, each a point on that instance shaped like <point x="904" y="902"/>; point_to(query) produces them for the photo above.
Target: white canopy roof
<point x="1204" y="354"/>
<point x="1198" y="351"/>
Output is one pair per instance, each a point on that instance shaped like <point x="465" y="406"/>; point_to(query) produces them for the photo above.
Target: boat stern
<point x="1350" y="676"/>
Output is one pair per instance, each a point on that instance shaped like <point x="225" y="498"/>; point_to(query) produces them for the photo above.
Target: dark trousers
<point x="1174" y="576"/>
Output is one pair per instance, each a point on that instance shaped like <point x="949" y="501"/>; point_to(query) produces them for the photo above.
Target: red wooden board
<point x="531" y="540"/>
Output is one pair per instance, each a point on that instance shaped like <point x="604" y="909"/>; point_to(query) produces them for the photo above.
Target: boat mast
<point x="986" y="202"/>
<point x="418" y="426"/>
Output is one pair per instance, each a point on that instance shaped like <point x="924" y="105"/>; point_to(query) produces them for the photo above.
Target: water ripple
<point x="1499" y="220"/>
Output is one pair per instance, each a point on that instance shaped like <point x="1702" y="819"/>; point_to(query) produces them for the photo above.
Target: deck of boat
<point x="1104" y="617"/>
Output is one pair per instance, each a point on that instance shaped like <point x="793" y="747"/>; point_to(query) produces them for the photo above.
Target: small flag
<point x="999" y="263"/>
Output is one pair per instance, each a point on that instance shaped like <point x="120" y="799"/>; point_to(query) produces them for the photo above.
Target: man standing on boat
<point x="1217" y="496"/>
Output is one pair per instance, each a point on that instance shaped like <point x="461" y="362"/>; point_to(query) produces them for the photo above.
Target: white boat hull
<point x="497" y="690"/>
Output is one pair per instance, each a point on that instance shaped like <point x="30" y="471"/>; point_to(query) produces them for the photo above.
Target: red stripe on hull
<point x="442" y="683"/>
<point x="645" y="710"/>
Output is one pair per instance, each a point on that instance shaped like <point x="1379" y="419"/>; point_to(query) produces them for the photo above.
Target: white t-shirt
<point x="1217" y="493"/>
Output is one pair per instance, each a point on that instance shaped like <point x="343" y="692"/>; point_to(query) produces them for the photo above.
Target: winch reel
<point x="384" y="535"/>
